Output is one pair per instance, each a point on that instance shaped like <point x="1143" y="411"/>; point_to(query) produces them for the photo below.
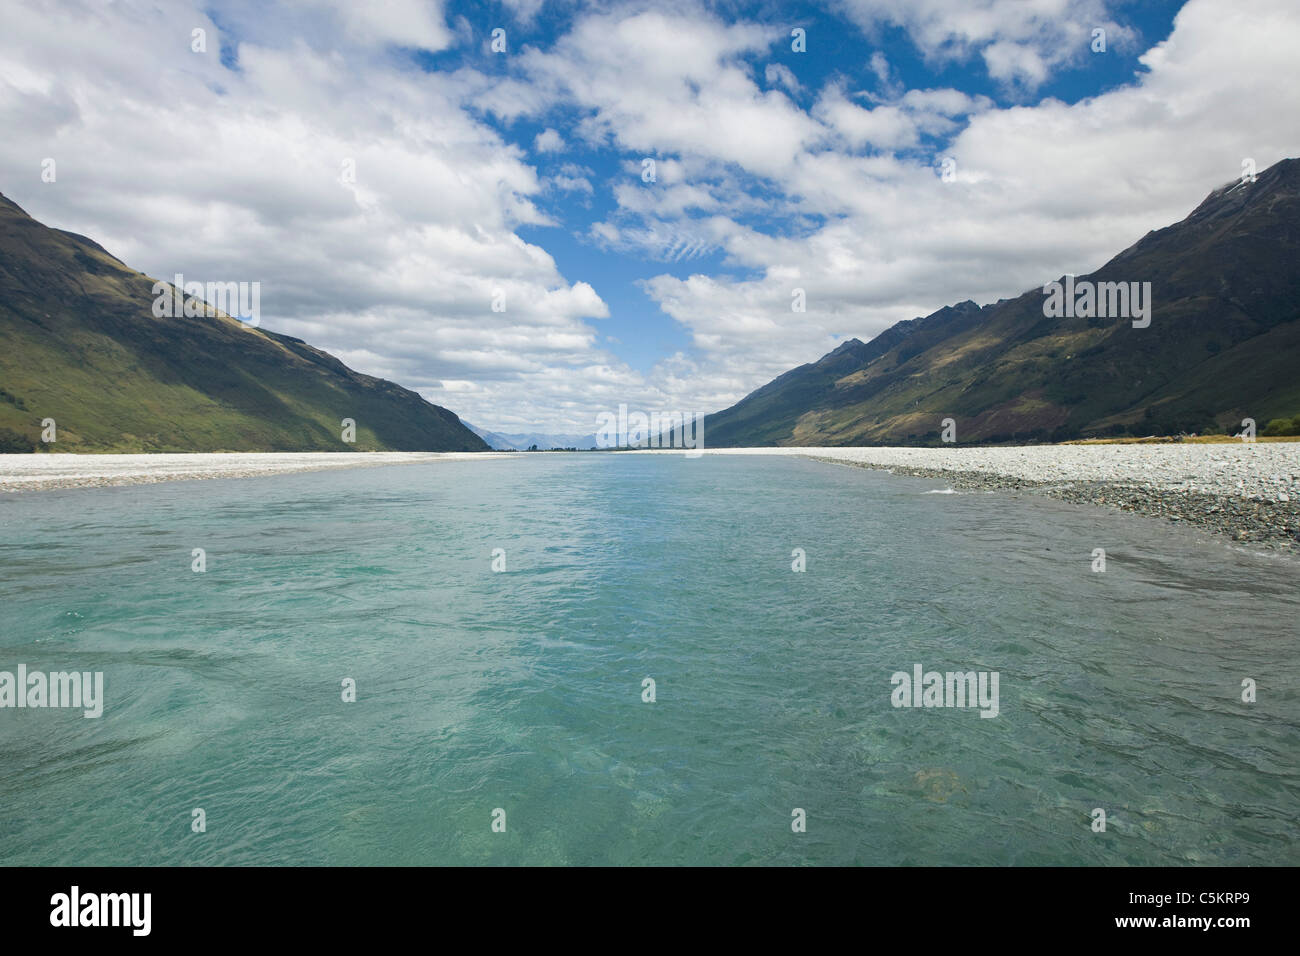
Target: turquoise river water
<point x="523" y="690"/>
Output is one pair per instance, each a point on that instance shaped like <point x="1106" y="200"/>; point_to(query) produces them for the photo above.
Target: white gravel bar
<point x="45" y="471"/>
<point x="1264" y="471"/>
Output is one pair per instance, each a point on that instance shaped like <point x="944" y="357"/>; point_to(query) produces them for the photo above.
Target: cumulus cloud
<point x="881" y="127"/>
<point x="663" y="82"/>
<point x="778" y="74"/>
<point x="1020" y="41"/>
<point x="548" y="141"/>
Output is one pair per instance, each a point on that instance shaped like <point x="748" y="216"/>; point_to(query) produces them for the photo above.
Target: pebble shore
<point x="1248" y="492"/>
<point x="44" y="472"/>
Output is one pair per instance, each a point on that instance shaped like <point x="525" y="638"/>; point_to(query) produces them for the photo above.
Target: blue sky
<point x="516" y="176"/>
<point x="636" y="330"/>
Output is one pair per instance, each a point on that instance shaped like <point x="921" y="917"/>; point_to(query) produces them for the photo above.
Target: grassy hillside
<point x="79" y="343"/>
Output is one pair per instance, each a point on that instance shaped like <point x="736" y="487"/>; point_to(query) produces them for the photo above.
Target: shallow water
<point x="522" y="690"/>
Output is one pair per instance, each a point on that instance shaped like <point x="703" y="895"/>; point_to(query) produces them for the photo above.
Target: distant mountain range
<point x="80" y="344"/>
<point x="1223" y="344"/>
<point x="500" y="441"/>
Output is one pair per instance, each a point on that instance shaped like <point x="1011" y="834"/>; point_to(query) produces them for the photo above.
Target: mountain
<point x="501" y="441"/>
<point x="80" y="343"/>
<point x="1222" y="345"/>
<point x="495" y="440"/>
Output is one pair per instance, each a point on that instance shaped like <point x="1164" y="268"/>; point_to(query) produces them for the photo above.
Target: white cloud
<point x="882" y="127"/>
<point x="548" y="141"/>
<point x="525" y="11"/>
<point x="662" y="82"/>
<point x="778" y="74"/>
<point x="1021" y="41"/>
<point x="573" y="184"/>
<point x="414" y="23"/>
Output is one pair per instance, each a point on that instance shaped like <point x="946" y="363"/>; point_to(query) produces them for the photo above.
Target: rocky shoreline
<point x="1272" y="523"/>
<point x="62" y="471"/>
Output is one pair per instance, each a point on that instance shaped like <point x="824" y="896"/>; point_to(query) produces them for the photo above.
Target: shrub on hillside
<point x="1283" y="426"/>
<point x="15" y="443"/>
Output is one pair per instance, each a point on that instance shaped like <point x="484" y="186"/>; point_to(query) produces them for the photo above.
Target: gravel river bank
<point x="1247" y="492"/>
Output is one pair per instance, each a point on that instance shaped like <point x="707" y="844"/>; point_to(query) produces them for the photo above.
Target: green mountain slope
<point x="1223" y="345"/>
<point x="79" y="343"/>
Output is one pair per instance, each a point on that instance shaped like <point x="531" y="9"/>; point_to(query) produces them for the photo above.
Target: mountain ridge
<point x="1221" y="347"/>
<point x="522" y="441"/>
<point x="80" y="344"/>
